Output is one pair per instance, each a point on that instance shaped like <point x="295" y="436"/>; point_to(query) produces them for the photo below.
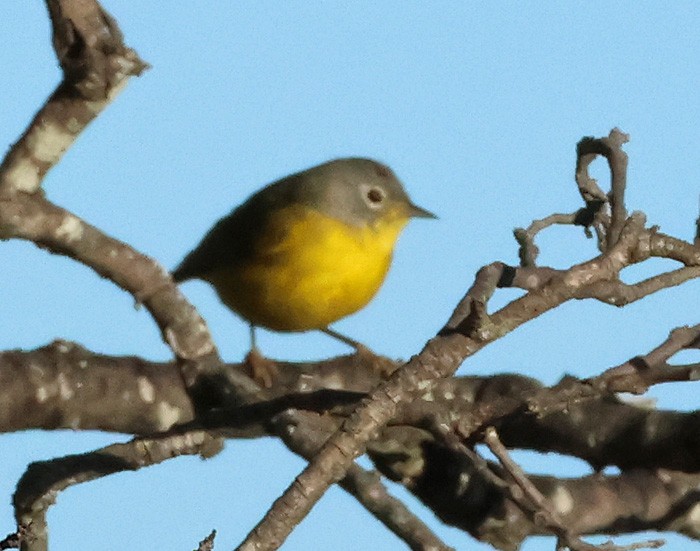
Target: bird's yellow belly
<point x="314" y="272"/>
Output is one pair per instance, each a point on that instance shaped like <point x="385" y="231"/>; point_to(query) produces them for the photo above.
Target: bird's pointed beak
<point x="418" y="212"/>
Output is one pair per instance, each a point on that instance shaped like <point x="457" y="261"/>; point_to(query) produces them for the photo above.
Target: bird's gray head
<point x="357" y="191"/>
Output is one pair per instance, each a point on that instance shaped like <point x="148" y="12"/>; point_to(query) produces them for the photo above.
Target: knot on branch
<point x="90" y="49"/>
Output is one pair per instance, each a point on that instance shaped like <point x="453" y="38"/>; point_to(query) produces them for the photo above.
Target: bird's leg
<point x="358" y="346"/>
<point x="383" y="366"/>
<point x="258" y="367"/>
<point x="253" y="343"/>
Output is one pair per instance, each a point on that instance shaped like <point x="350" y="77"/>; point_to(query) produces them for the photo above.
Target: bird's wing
<point x="235" y="238"/>
<point x="230" y="241"/>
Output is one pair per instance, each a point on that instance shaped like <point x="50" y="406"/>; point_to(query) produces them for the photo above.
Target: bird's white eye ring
<point x="374" y="196"/>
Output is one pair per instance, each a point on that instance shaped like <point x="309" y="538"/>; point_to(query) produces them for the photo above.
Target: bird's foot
<point x="381" y="365"/>
<point x="262" y="370"/>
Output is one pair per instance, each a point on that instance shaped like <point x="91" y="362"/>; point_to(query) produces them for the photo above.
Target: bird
<point x="308" y="249"/>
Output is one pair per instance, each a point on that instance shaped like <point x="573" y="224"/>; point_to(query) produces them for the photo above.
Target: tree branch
<point x="96" y="65"/>
<point x="40" y="484"/>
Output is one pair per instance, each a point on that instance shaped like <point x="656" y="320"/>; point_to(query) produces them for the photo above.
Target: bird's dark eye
<point x="375" y="195"/>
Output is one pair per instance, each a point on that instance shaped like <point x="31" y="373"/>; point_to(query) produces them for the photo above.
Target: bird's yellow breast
<point x="308" y="270"/>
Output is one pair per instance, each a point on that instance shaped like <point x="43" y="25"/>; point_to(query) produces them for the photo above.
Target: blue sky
<point x="476" y="106"/>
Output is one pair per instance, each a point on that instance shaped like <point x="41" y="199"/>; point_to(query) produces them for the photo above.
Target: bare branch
<point x="11" y="541"/>
<point x="96" y="65"/>
<point x="364" y="486"/>
<point x="464" y="492"/>
<point x="617" y="293"/>
<point x="610" y="147"/>
<point x="38" y="487"/>
<point x="528" y="251"/>
<point x="440" y="358"/>
<point x="639" y="373"/>
<point x="207" y="544"/>
<point x="665" y="246"/>
<point x="544" y="511"/>
<point x="66" y="386"/>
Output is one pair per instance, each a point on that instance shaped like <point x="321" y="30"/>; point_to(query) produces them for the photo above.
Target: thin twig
<point x="207" y="544"/>
<point x="37" y="489"/>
